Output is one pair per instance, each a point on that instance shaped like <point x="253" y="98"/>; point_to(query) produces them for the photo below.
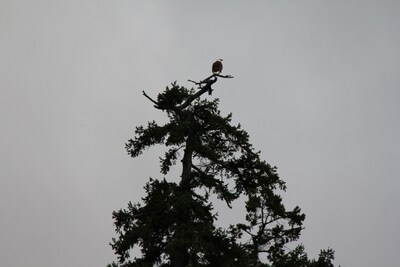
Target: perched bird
<point x="217" y="66"/>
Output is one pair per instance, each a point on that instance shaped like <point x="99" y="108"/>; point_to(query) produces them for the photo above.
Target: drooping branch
<point x="228" y="199"/>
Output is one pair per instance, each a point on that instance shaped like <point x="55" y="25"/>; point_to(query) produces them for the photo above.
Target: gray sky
<point x="316" y="86"/>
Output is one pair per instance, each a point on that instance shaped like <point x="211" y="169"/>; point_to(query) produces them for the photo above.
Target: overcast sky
<point x="317" y="86"/>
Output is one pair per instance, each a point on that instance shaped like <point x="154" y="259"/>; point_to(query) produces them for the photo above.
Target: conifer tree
<point x="174" y="225"/>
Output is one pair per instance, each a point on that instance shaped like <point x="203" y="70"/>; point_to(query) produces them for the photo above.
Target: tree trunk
<point x="181" y="256"/>
<point x="187" y="157"/>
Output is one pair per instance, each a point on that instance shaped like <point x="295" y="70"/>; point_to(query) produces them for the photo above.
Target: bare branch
<point x="224" y="76"/>
<point x="209" y="78"/>
<point x="196" y="83"/>
<point x="148" y="97"/>
<point x="204" y="89"/>
<point x="248" y="232"/>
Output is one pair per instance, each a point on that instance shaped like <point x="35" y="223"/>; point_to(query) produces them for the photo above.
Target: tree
<point x="174" y="224"/>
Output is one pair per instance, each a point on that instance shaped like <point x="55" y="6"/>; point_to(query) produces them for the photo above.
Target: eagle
<point x="217" y="66"/>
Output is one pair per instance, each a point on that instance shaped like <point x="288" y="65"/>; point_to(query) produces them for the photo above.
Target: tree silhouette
<point x="174" y="225"/>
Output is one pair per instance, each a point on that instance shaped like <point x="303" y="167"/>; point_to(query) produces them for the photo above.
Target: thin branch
<point x="196" y="83"/>
<point x="273" y="220"/>
<point x="250" y="233"/>
<point x="206" y="80"/>
<point x="262" y="219"/>
<point x="205" y="174"/>
<point x="224" y="76"/>
<point x="148" y="97"/>
<point x="198" y="196"/>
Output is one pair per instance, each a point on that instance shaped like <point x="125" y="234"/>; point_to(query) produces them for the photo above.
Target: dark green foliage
<point x="174" y="226"/>
<point x="298" y="258"/>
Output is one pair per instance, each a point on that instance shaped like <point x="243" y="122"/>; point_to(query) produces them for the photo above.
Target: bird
<point x="217" y="66"/>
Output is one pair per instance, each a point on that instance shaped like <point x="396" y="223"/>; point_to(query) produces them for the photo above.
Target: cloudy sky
<point x="316" y="85"/>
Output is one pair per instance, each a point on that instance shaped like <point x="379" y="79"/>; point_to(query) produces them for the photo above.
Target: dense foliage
<point x="174" y="225"/>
